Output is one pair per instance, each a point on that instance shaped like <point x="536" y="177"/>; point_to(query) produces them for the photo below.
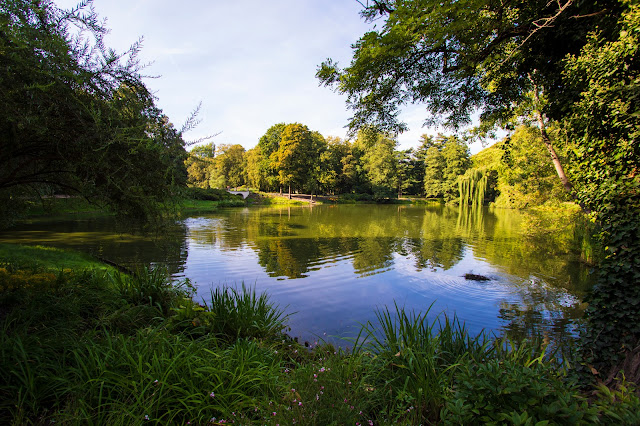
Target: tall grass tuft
<point x="414" y="362"/>
<point x="167" y="379"/>
<point x="151" y="286"/>
<point x="242" y="313"/>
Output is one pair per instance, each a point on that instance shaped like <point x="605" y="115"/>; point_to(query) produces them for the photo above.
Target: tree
<point x="76" y="117"/>
<point x="255" y="177"/>
<point x="268" y="145"/>
<point x="525" y="175"/>
<point x="433" y="175"/>
<point x="207" y="150"/>
<point x="331" y="164"/>
<point x="461" y="57"/>
<point x="295" y="156"/>
<point x="200" y="165"/>
<point x="232" y="165"/>
<point x="379" y="162"/>
<point x="404" y="171"/>
<point x="353" y="174"/>
<point x="318" y="147"/>
<point x="456" y="162"/>
<point x="603" y="132"/>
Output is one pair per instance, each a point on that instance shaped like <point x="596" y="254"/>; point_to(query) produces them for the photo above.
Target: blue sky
<point x="251" y="63"/>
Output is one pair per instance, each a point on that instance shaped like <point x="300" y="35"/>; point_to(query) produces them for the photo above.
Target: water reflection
<point x="339" y="262"/>
<point x="333" y="265"/>
<point x="107" y="238"/>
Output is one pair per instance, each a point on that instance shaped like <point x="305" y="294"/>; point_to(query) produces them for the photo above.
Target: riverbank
<point x="198" y="200"/>
<point x="301" y="199"/>
<point x="195" y="200"/>
<point x="83" y="343"/>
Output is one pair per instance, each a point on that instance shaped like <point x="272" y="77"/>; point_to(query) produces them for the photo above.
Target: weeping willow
<point x="473" y="186"/>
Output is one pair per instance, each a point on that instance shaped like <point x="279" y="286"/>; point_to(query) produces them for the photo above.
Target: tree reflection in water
<point x="337" y="263"/>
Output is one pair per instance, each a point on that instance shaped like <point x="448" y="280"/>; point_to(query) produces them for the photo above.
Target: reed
<point x="151" y="286"/>
<point x="414" y="361"/>
<point x="241" y="313"/>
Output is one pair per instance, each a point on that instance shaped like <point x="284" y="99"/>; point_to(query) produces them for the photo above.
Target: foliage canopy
<point x="458" y="57"/>
<point x="76" y="116"/>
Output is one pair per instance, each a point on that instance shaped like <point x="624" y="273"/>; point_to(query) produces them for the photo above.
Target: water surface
<point x="334" y="265"/>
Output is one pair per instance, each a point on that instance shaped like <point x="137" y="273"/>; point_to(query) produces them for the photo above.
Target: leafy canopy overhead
<point x="461" y="56"/>
<point x="76" y="116"/>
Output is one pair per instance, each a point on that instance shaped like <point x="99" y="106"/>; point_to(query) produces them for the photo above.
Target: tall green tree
<point x="353" y="174"/>
<point x="232" y="164"/>
<point x="256" y="176"/>
<point x="379" y="162"/>
<point x="525" y="176"/>
<point x="456" y="162"/>
<point x="461" y="57"/>
<point x="268" y="145"/>
<point x="295" y="156"/>
<point x="318" y="148"/>
<point x="434" y="173"/>
<point x="404" y="171"/>
<point x="329" y="169"/>
<point x="207" y="150"/>
<point x="200" y="165"/>
<point x="76" y="117"/>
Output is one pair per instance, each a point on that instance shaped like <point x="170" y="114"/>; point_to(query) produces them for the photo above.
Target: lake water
<point x="334" y="265"/>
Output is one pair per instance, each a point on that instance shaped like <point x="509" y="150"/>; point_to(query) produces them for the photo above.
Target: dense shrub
<point x="514" y="392"/>
<point x="352" y="198"/>
<point x="208" y="194"/>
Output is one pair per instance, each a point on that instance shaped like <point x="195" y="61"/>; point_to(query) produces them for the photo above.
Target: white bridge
<point x="244" y="194"/>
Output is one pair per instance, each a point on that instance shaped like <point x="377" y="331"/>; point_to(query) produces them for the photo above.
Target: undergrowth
<point x="99" y="347"/>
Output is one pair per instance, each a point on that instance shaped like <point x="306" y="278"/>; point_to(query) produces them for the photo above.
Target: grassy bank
<point x="60" y="206"/>
<point x="192" y="200"/>
<point x="49" y="259"/>
<point x="84" y="344"/>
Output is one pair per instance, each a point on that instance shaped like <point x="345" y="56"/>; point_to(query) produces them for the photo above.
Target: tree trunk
<point x="547" y="142"/>
<point x="537" y="111"/>
<point x="289" y="191"/>
<point x="554" y="157"/>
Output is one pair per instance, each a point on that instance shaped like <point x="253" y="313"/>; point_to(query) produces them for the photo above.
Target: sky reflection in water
<point x="334" y="265"/>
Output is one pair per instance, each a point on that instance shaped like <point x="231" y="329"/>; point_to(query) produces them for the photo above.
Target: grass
<point x="267" y="198"/>
<point x="61" y="206"/>
<point x="93" y="346"/>
<point x="242" y="314"/>
<point x="205" y="206"/>
<point x="48" y="258"/>
<point x="194" y="200"/>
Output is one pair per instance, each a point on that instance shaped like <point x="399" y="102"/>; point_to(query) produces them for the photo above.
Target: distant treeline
<point x="512" y="173"/>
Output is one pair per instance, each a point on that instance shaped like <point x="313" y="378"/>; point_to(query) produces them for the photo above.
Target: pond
<point x="334" y="265"/>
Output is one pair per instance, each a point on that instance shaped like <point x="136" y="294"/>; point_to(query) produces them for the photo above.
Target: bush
<point x="152" y="287"/>
<point x="231" y="314"/>
<point x="414" y="362"/>
<point x="352" y="198"/>
<point x="209" y="194"/>
<point x="514" y="392"/>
